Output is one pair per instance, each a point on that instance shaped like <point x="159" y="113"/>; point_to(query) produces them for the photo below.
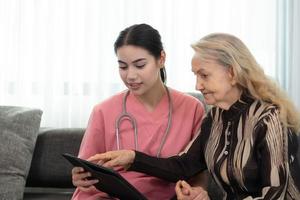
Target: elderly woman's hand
<point x="111" y="159"/>
<point x="186" y="192"/>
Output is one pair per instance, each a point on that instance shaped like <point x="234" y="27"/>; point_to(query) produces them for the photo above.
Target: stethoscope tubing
<point x="125" y="115"/>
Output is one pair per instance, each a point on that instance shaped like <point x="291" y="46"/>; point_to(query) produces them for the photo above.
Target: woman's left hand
<point x="186" y="192"/>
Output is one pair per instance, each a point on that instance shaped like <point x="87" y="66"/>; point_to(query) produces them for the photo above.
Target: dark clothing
<point x="246" y="149"/>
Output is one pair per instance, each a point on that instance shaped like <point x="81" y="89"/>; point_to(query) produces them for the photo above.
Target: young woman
<point x="158" y="121"/>
<point x="247" y="140"/>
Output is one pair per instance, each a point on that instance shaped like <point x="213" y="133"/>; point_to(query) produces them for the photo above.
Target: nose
<point x="131" y="73"/>
<point x="199" y="84"/>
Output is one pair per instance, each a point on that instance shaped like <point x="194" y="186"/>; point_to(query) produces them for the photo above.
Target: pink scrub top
<point x="100" y="136"/>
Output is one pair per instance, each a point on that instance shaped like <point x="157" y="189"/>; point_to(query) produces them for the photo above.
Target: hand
<point x="80" y="180"/>
<point x="186" y="192"/>
<point x="111" y="159"/>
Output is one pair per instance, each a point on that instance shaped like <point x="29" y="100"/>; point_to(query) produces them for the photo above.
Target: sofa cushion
<point x="18" y="132"/>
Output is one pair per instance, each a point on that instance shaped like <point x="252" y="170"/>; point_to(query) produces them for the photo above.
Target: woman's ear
<point x="232" y="76"/>
<point x="162" y="59"/>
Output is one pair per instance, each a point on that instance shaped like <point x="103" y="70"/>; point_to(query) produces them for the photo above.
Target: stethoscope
<point x="125" y="115"/>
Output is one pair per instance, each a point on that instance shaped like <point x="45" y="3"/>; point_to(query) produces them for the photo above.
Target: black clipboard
<point x="110" y="181"/>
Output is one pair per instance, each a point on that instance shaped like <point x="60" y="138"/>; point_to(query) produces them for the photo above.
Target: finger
<point x="202" y="194"/>
<point x="199" y="197"/>
<point x="186" y="188"/>
<point x="96" y="157"/>
<point x="81" y="176"/>
<point x="100" y="162"/>
<point x="112" y="163"/>
<point x="85" y="183"/>
<point x="184" y="184"/>
<point x="104" y="162"/>
<point x="88" y="189"/>
<point x="178" y="187"/>
<point x="178" y="190"/>
<point x="185" y="191"/>
<point x="76" y="170"/>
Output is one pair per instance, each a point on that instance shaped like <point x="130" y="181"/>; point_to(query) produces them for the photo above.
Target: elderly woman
<point x="247" y="140"/>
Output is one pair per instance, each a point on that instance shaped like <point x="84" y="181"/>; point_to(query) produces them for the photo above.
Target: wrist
<point x="132" y="156"/>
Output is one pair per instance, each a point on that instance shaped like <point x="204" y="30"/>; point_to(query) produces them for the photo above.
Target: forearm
<point x="171" y="169"/>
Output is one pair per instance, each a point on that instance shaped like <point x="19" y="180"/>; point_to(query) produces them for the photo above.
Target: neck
<point x="151" y="98"/>
<point x="233" y="97"/>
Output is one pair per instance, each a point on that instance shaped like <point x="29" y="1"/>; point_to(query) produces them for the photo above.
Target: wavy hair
<point x="229" y="51"/>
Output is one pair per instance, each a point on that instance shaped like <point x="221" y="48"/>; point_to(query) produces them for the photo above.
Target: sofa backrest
<point x="200" y="97"/>
<point x="48" y="167"/>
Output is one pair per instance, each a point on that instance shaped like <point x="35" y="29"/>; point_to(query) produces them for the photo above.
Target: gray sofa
<point x="50" y="174"/>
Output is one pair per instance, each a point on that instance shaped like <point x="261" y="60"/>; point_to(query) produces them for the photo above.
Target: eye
<point x="140" y="64"/>
<point x="122" y="66"/>
<point x="204" y="76"/>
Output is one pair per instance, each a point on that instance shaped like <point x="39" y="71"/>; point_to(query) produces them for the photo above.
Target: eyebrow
<point x="200" y="70"/>
<point x="135" y="61"/>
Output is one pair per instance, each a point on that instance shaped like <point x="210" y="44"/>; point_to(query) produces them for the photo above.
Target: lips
<point x="134" y="86"/>
<point x="205" y="93"/>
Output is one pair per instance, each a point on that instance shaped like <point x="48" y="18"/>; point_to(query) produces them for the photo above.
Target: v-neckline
<point x="157" y="112"/>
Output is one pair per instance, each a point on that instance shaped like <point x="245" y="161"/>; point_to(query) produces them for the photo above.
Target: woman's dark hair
<point x="145" y="36"/>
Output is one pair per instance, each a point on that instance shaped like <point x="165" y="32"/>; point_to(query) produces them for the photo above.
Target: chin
<point x="209" y="101"/>
<point x="137" y="92"/>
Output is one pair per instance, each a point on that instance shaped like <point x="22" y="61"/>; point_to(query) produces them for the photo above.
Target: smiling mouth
<point x="205" y="93"/>
<point x="134" y="85"/>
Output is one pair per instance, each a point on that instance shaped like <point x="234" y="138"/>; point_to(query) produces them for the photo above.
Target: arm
<point x="171" y="169"/>
<point x="271" y="153"/>
<point x="165" y="168"/>
<point x="92" y="143"/>
<point x="177" y="167"/>
<point x="94" y="138"/>
<point x="198" y="117"/>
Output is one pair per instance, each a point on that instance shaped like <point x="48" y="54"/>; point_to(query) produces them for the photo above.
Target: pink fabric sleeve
<point x="93" y="142"/>
<point x="199" y="115"/>
<point x="94" y="138"/>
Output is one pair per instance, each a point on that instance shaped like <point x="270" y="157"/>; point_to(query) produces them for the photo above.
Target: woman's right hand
<point x="112" y="159"/>
<point x="81" y="181"/>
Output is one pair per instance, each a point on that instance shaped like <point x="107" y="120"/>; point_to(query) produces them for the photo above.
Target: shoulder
<point x="267" y="121"/>
<point x="110" y="104"/>
<point x="112" y="100"/>
<point x="185" y="98"/>
<point x="263" y="111"/>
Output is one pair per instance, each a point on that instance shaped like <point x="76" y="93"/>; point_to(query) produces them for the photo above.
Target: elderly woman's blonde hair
<point x="230" y="51"/>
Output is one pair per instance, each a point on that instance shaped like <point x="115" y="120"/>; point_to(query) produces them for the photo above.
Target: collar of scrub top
<point x="130" y="117"/>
